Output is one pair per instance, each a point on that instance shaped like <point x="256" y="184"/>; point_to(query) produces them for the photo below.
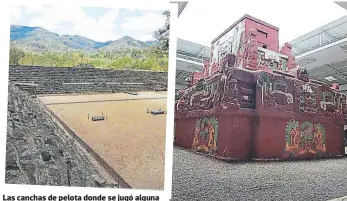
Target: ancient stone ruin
<point x="41" y="148"/>
<point x="252" y="101"/>
<point x="84" y="66"/>
<point x="39" y="151"/>
<point x="65" y="80"/>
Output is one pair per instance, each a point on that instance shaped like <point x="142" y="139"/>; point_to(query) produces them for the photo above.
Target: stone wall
<point x="37" y="148"/>
<point x="58" y="80"/>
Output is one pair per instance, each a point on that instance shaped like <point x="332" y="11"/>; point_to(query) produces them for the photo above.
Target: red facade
<point x="252" y="103"/>
<point x="265" y="34"/>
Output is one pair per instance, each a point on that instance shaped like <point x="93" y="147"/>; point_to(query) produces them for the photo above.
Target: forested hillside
<point x="37" y="46"/>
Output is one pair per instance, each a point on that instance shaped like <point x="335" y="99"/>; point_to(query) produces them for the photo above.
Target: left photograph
<point x="87" y="97"/>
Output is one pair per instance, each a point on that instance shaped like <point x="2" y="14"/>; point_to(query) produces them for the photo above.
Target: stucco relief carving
<point x="302" y="74"/>
<point x="273" y="91"/>
<point x="281" y="88"/>
<point x="328" y="101"/>
<point x="272" y="60"/>
<point x="213" y="92"/>
<point x="307" y="98"/>
<point x="249" y="51"/>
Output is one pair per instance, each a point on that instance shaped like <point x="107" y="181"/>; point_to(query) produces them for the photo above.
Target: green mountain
<point x="39" y="40"/>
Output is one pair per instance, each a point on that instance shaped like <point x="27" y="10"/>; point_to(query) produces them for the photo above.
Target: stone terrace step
<point x="52" y="79"/>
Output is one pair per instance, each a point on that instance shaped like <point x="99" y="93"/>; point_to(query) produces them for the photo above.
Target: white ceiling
<point x="322" y="36"/>
<point x="189" y="59"/>
<point x="184" y="69"/>
<point x="323" y="52"/>
<point x="188" y="65"/>
<point x="330" y="61"/>
<point x="193" y="49"/>
<point x="326" y="55"/>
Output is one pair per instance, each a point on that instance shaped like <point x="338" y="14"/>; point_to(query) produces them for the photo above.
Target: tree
<point x="16" y="56"/>
<point x="162" y="34"/>
<point x="122" y="63"/>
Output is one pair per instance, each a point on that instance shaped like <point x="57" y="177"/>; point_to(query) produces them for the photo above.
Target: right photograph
<point x="260" y="102"/>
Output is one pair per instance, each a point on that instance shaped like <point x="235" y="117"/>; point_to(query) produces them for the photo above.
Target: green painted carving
<point x="305" y="138"/>
<point x="177" y="96"/>
<point x="201" y="85"/>
<point x="284" y="64"/>
<point x="263" y="79"/>
<point x="206" y="135"/>
<point x="272" y="63"/>
<point x="292" y="125"/>
<point x="321" y="129"/>
<point x="261" y="57"/>
<point x="263" y="82"/>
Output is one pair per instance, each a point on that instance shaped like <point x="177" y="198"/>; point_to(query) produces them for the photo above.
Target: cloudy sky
<point x="203" y="22"/>
<point x="100" y="24"/>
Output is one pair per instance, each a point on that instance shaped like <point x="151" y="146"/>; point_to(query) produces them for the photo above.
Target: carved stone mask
<point x="302" y="74"/>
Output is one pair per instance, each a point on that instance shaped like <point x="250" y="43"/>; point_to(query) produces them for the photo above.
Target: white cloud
<point x="144" y="25"/>
<point x="104" y="27"/>
<point x="34" y="8"/>
<point x="73" y="20"/>
<point x="15" y="15"/>
<point x="145" y="37"/>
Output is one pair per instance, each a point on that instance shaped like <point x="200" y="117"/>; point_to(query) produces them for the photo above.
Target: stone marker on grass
<point x="156" y="112"/>
<point x="98" y="118"/>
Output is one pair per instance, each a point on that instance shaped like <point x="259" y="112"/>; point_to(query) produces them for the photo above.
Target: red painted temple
<point x="252" y="101"/>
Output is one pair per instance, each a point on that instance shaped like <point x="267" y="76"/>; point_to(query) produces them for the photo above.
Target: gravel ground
<point x="197" y="177"/>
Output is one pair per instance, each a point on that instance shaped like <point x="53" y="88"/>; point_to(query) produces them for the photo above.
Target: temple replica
<point x="252" y="102"/>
